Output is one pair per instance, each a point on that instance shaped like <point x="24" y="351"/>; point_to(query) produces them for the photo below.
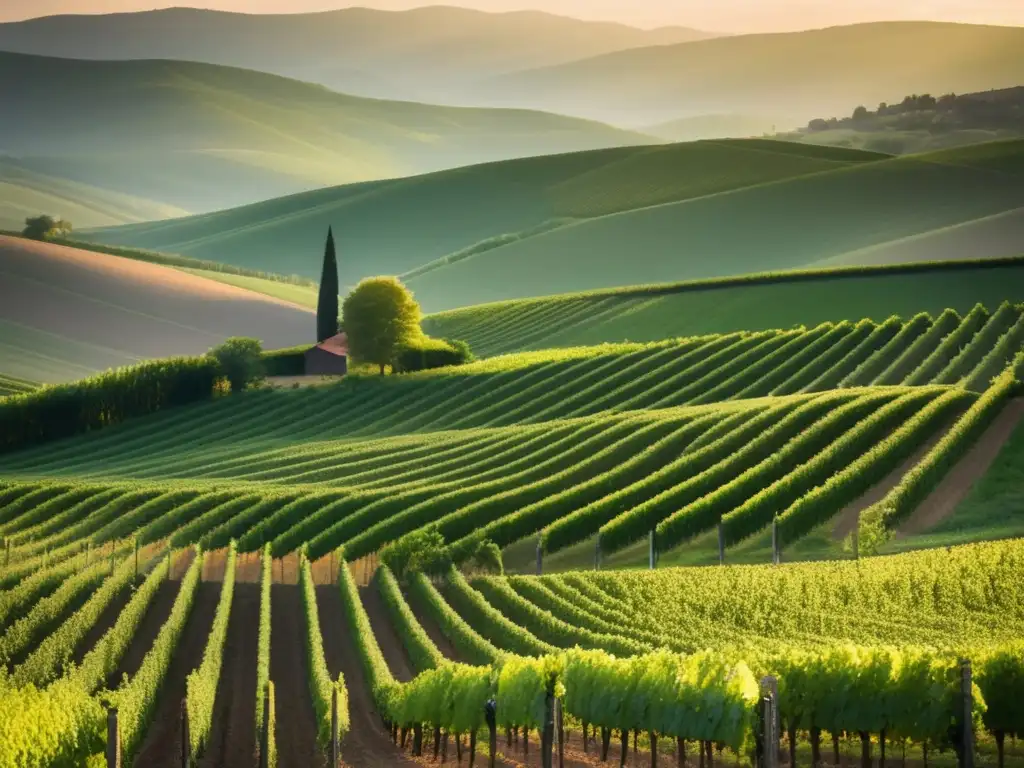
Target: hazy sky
<point x="723" y="15"/>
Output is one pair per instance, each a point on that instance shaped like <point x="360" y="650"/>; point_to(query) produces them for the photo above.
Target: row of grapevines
<point x="321" y="687"/>
<point x="917" y="483"/>
<point x="263" y="684"/>
<point x="101" y="662"/>
<point x="756" y="513"/>
<point x="874" y="365"/>
<point x="917" y="352"/>
<point x="201" y="684"/>
<point x="37" y="585"/>
<point x="422" y="651"/>
<point x="950" y="347"/>
<point x="136" y="698"/>
<point x="830" y="369"/>
<point x="962" y="365"/>
<point x="842" y="336"/>
<point x="59" y="726"/>
<point x="20" y="527"/>
<point x="31" y="496"/>
<point x="823" y="501"/>
<point x="49" y="658"/>
<point x="997" y="359"/>
<point x="458" y="631"/>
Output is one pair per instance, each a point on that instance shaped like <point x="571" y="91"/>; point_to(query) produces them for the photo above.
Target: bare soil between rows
<point x="233" y="731"/>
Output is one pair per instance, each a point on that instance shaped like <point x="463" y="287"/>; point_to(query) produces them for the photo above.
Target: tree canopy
<point x="240" y="360"/>
<point x="46" y="227"/>
<point x="379" y="317"/>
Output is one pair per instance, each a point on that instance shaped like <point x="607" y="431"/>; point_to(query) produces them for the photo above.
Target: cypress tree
<point x="327" y="303"/>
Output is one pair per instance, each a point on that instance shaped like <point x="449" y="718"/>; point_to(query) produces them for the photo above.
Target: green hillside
<point x="201" y="137"/>
<point x="752" y="302"/>
<point x="9" y="385"/>
<point x="471" y="208"/>
<point x="25" y="193"/>
<point x="802" y="75"/>
<point x="425" y="54"/>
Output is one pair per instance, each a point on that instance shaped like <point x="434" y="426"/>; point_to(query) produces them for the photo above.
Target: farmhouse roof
<point x="336" y="345"/>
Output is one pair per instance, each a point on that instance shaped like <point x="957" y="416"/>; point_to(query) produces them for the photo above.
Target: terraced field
<point x="615" y="451"/>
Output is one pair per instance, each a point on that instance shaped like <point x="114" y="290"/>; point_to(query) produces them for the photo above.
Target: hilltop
<point x="425" y="54"/>
<point x="66" y="313"/>
<point x="201" y="137"/>
<point x="549" y="225"/>
<point x="801" y="75"/>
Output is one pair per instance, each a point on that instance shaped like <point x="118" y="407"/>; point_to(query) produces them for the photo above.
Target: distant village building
<point x="328" y="358"/>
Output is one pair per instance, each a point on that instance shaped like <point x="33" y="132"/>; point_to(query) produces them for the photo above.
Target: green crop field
<point x="10" y="385"/>
<point x="548" y="225"/>
<point x="146" y="551"/>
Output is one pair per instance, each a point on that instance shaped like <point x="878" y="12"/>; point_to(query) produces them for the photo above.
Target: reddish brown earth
<point x="947" y="495"/>
<point x="160" y="748"/>
<point x="387" y="638"/>
<point x="106" y="620"/>
<point x="296" y="730"/>
<point x="233" y="731"/>
<point x="433" y="630"/>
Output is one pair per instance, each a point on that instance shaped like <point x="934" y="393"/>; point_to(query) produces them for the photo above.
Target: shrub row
<point x="705" y="499"/>
<point x="830" y="369"/>
<point x="458" y="631"/>
<point x="836" y="337"/>
<point x="490" y="622"/>
<point x="321" y="687"/>
<point x="201" y="684"/>
<point x="995" y="362"/>
<point x="49" y="658"/>
<point x="822" y="502"/>
<point x="547" y="627"/>
<point x="104" y="658"/>
<point x="36" y="585"/>
<point x="950" y="347"/>
<point x="421" y="649"/>
<point x="873" y="367"/>
<point x="965" y="362"/>
<point x="70" y="409"/>
<point x="833" y="450"/>
<point x="916" y="353"/>
<point x="59" y="726"/>
<point x="917" y="483"/>
<point x="136" y="699"/>
<point x="427" y="353"/>
<point x="285" y="362"/>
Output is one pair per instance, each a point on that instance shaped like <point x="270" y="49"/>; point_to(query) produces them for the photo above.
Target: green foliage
<point x="104" y="400"/>
<point x="201" y="684"/>
<point x="1001" y="679"/>
<point x="46" y="227"/>
<point x="964" y="363"/>
<point x="487" y="558"/>
<point x="462" y="636"/>
<point x="321" y="687"/>
<point x="263" y="641"/>
<point x="943" y="355"/>
<point x="286" y="362"/>
<point x="523" y="685"/>
<point x="425" y="353"/>
<point x="240" y="361"/>
<point x="59" y="727"/>
<point x="379" y="317"/>
<point x="422" y="550"/>
<point x="327" y="302"/>
<point x="136" y="698"/>
<point x="421" y="649"/>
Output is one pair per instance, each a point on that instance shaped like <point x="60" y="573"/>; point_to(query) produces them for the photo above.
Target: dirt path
<point x="943" y="500"/>
<point x="233" y="732"/>
<point x="160" y="747"/>
<point x="387" y="637"/>
<point x="156" y="614"/>
<point x="106" y="620"/>
<point x="849" y="516"/>
<point x="296" y="721"/>
<point x="433" y="630"/>
<point x="366" y="744"/>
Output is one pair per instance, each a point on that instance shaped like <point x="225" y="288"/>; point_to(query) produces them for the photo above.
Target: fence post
<point x="769" y="726"/>
<point x="540" y="555"/>
<point x="547" y="735"/>
<point x="136" y="560"/>
<point x="113" y="739"/>
<point x="775" y="541"/>
<point x="652" y="552"/>
<point x="265" y="731"/>
<point x="335" y="753"/>
<point x="721" y="543"/>
<point x="490" y="715"/>
<point x="186" y="741"/>
<point x="88" y="552"/>
<point x="560" y="732"/>
<point x="856" y="539"/>
<point x="597" y="555"/>
<point x="967" y="736"/>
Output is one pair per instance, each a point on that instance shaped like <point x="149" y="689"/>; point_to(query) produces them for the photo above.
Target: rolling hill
<point x="426" y="54"/>
<point x="200" y="136"/>
<point x="24" y="192"/>
<point x="66" y="313"/>
<point x="799" y="74"/>
<point x="552" y="225"/>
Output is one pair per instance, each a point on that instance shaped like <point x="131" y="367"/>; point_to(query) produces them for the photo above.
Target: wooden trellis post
<point x="547" y="734"/>
<point x="652" y="551"/>
<point x="335" y="751"/>
<point x="186" y="741"/>
<point x="113" y="739"/>
<point x="597" y="555"/>
<point x="490" y="715"/>
<point x="721" y="543"/>
<point x="775" y="541"/>
<point x="769" y="727"/>
<point x="540" y="555"/>
<point x="967" y="715"/>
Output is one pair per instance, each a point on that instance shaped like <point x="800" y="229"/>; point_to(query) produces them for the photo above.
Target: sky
<point x="716" y="15"/>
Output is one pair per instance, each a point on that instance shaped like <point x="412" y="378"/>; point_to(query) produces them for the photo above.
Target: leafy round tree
<point x="241" y="361"/>
<point x="379" y="317"/>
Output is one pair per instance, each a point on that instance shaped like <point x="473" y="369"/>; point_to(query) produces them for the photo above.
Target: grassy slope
<point x="452" y="210"/>
<point x="24" y="193"/>
<point x="640" y="316"/>
<point x="200" y="137"/>
<point x="11" y="385"/>
<point x="787" y="224"/>
<point x="424" y="54"/>
<point x="65" y="313"/>
<point x="819" y="72"/>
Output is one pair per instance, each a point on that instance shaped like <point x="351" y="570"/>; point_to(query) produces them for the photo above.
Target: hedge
<point x="426" y="353"/>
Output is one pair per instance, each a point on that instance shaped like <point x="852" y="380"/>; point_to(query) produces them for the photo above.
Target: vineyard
<point x="224" y="565"/>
